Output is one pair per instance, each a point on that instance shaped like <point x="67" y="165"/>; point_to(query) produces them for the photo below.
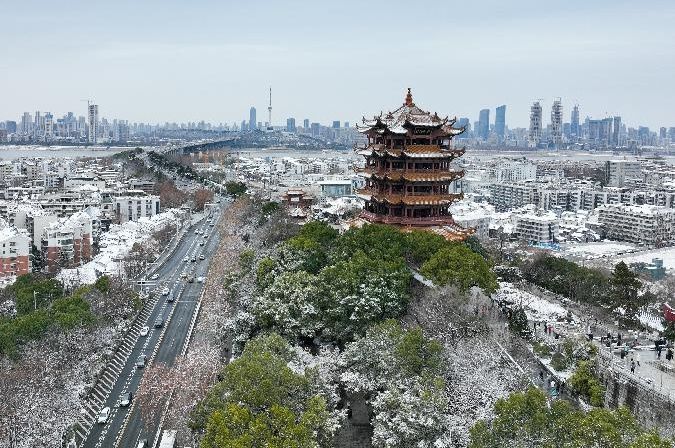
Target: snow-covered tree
<point x="412" y="414"/>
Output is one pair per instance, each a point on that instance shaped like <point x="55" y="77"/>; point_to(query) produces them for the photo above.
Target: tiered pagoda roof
<point x="408" y="115"/>
<point x="408" y="173"/>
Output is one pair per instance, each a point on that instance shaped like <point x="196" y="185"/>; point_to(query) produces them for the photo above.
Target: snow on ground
<point x="667" y="254"/>
<point x="115" y="245"/>
<point x="536" y="308"/>
<point x="602" y="249"/>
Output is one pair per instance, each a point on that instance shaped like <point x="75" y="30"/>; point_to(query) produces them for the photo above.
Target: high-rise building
<point x="82" y="126"/>
<point x="500" y="122"/>
<point x="92" y="136"/>
<point x="123" y="131"/>
<point x="662" y="133"/>
<point x="305" y="124"/>
<point x="346" y="124"/>
<point x="49" y="126"/>
<point x="38" y="124"/>
<point x="484" y="124"/>
<point x="464" y="124"/>
<point x="534" y="134"/>
<point x="556" y="122"/>
<point x="575" y="131"/>
<point x="616" y="132"/>
<point x="252" y="119"/>
<point x="336" y="124"/>
<point x="26" y="123"/>
<point x="644" y="135"/>
<point x="290" y="124"/>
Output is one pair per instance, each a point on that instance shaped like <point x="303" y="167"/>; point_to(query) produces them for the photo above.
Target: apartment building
<point x="646" y="225"/>
<point x="67" y="242"/>
<point x="622" y="172"/>
<point x="86" y="181"/>
<point x="507" y="196"/>
<point x="15" y="255"/>
<point x="134" y="207"/>
<point x="539" y="227"/>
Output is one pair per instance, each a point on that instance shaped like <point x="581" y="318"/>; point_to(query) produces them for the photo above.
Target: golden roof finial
<point x="408" y="99"/>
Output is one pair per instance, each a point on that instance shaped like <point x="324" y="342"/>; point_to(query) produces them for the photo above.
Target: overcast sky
<point x="157" y="61"/>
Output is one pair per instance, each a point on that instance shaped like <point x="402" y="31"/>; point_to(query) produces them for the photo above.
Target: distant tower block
<point x="534" y="133"/>
<point x="556" y="123"/>
<point x="408" y="170"/>
<point x="269" y="113"/>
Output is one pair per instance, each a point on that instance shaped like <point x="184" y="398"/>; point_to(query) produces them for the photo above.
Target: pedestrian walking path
<point x="647" y="371"/>
<point x="650" y="372"/>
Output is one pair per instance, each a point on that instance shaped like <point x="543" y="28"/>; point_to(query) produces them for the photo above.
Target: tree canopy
<point x="458" y="265"/>
<point x="262" y="402"/>
<point x="41" y="307"/>
<point x="402" y="371"/>
<point x="525" y="419"/>
<point x="621" y="289"/>
<point x="322" y="284"/>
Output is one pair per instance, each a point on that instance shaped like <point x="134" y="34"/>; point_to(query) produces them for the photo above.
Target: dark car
<point x="125" y="399"/>
<point x="159" y="322"/>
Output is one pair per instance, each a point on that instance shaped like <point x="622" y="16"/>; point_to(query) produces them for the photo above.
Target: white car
<point x="103" y="416"/>
<point x="166" y="291"/>
<point x="154" y="277"/>
<point x="185" y="260"/>
<point x="144" y="331"/>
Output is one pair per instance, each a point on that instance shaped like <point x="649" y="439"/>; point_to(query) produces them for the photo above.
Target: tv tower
<point x="269" y="113"/>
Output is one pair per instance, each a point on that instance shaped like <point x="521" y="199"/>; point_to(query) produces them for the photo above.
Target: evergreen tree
<point x="518" y="321"/>
<point x="626" y="288"/>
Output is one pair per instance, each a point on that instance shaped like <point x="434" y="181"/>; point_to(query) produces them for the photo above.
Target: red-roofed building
<point x="668" y="312"/>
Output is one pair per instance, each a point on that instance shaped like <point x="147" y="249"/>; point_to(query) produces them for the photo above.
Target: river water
<point x="11" y="152"/>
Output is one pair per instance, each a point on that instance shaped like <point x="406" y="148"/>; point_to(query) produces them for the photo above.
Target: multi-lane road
<point x="162" y="345"/>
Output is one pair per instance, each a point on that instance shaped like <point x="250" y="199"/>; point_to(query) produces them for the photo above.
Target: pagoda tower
<point x="408" y="170"/>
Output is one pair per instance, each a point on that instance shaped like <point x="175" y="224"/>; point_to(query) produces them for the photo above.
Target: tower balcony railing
<point x="383" y="171"/>
<point x="405" y="220"/>
<point x="371" y="192"/>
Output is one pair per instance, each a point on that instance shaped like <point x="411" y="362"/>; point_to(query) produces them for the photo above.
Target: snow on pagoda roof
<point x="413" y="151"/>
<point x="410" y="200"/>
<point x="408" y="114"/>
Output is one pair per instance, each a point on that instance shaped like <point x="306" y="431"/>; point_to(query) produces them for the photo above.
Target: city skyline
<point x="500" y="115"/>
<point x="212" y="61"/>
